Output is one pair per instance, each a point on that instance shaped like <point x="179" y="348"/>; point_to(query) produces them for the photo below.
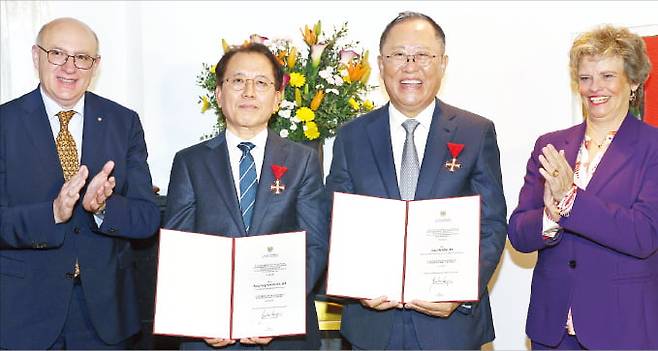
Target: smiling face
<point x="604" y="88"/>
<point x="412" y="87"/>
<point x="247" y="110"/>
<point x="65" y="84"/>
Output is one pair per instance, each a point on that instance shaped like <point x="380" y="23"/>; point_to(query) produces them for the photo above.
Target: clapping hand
<point x="100" y="189"/>
<point x="557" y="173"/>
<point x="69" y="195"/>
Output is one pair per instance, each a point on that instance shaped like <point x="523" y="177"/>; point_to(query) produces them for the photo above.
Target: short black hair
<point x="254" y="48"/>
<point x="409" y="15"/>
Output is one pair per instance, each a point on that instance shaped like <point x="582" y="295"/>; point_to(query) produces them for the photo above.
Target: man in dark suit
<point x="66" y="265"/>
<point x="400" y="151"/>
<point x="228" y="185"/>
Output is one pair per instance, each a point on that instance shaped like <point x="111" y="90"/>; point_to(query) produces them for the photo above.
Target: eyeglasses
<point x="239" y="83"/>
<point x="421" y="58"/>
<point x="59" y="58"/>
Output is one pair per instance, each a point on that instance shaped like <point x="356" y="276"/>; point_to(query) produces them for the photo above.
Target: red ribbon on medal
<point x="277" y="187"/>
<point x="455" y="150"/>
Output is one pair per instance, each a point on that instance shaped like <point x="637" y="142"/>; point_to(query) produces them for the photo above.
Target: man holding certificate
<point x="420" y="148"/>
<point x="247" y="181"/>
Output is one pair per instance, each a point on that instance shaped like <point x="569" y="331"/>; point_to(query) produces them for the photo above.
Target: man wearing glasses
<point x="400" y="151"/>
<point x="74" y="187"/>
<point x="234" y="184"/>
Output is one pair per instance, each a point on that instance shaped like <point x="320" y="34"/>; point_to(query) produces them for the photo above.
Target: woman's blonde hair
<point x="610" y="41"/>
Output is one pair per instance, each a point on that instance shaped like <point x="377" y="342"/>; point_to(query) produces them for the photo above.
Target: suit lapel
<point x="276" y="152"/>
<point x="442" y="129"/>
<point x="219" y="166"/>
<point x="618" y="154"/>
<point x="93" y="135"/>
<point x="571" y="142"/>
<point x="38" y="128"/>
<point x="379" y="134"/>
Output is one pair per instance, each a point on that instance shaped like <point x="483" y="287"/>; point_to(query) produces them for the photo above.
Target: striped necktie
<point x="248" y="183"/>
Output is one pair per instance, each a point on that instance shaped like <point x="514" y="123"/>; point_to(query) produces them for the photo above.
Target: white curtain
<point x="19" y="23"/>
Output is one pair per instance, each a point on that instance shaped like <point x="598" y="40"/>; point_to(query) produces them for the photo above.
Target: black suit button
<point x="572" y="263"/>
<point x="76" y="230"/>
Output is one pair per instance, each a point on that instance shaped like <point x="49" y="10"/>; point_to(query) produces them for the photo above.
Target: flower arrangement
<point x="325" y="84"/>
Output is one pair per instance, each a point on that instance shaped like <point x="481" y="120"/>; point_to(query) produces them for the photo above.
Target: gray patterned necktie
<point x="410" y="166"/>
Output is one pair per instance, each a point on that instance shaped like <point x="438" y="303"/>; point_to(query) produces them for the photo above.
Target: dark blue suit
<point x="36" y="253"/>
<point x="202" y="199"/>
<point x="363" y="164"/>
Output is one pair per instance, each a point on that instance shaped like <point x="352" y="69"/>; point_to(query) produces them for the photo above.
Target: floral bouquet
<point x="324" y="85"/>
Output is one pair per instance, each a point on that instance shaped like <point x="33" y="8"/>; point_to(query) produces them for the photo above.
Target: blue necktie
<point x="248" y="183"/>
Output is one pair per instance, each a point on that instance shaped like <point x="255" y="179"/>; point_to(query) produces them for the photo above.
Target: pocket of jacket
<point x="12" y="267"/>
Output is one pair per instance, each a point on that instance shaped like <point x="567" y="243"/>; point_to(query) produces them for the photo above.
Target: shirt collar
<point x="53" y="108"/>
<point x="424" y="118"/>
<point x="259" y="140"/>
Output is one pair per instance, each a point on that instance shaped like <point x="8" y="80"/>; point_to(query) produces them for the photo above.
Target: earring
<point x="633" y="95"/>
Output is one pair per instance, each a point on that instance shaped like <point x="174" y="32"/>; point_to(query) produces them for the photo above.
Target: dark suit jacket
<point x="604" y="265"/>
<point x="36" y="253"/>
<point x="202" y="199"/>
<point x="363" y="164"/>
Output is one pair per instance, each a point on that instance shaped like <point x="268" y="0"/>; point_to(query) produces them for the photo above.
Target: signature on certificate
<point x="270" y="314"/>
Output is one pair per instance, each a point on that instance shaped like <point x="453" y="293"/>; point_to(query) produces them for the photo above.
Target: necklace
<point x="598" y="145"/>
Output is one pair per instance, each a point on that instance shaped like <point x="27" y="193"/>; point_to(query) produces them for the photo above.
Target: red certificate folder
<point x="404" y="250"/>
<point x="218" y="287"/>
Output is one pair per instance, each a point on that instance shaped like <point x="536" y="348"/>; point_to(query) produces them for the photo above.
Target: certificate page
<point x="193" y="294"/>
<point x="366" y="247"/>
<point x="443" y="238"/>
<point x="269" y="292"/>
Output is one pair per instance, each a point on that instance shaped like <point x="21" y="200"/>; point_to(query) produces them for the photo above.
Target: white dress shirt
<point x="398" y="133"/>
<point x="234" y="154"/>
<point x="75" y="124"/>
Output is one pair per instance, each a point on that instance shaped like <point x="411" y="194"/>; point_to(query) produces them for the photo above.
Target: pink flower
<point x="284" y="82"/>
<point x="347" y="55"/>
<point x="257" y="39"/>
<point x="316" y="53"/>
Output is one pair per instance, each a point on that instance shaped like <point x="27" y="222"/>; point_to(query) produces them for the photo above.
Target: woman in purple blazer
<point x="589" y="207"/>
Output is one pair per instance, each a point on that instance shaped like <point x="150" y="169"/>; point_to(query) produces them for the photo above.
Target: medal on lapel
<point x="455" y="150"/>
<point x="278" y="187"/>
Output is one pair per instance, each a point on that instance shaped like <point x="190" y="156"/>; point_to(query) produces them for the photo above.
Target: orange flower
<point x="310" y="37"/>
<point x="317" y="100"/>
<point x="280" y="56"/>
<point x="357" y="71"/>
<point x="292" y="58"/>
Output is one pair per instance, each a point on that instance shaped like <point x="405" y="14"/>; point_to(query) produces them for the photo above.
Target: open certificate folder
<point x="218" y="287"/>
<point x="405" y="250"/>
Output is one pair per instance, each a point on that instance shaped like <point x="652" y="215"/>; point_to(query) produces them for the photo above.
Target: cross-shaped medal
<point x="277" y="187"/>
<point x="452" y="165"/>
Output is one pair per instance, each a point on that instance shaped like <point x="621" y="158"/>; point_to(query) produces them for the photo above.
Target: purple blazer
<point x="604" y="263"/>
